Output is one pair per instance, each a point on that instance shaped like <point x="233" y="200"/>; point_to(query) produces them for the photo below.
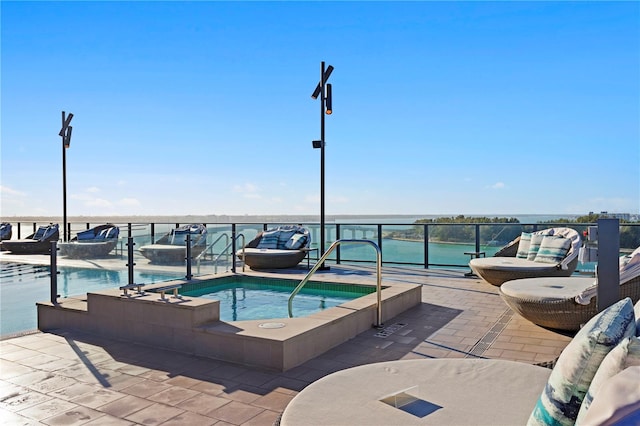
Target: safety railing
<point x="321" y="262"/>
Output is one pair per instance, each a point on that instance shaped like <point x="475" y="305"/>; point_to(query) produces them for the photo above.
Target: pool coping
<point x="191" y="324"/>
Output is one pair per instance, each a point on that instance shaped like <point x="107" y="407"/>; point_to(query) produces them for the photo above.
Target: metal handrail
<point x="321" y="262"/>
<point x="223" y="252"/>
<point x="215" y="261"/>
<point x="213" y="244"/>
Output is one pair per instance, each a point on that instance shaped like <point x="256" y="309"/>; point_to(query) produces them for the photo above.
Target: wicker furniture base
<point x="565" y="314"/>
<point x="490" y="269"/>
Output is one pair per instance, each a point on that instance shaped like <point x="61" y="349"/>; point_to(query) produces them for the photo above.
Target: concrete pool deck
<point x="70" y="377"/>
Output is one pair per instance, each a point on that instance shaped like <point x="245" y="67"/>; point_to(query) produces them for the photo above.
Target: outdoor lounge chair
<point x="279" y="248"/>
<point x="596" y="373"/>
<point x="565" y="303"/>
<point x="531" y="255"/>
<point x="37" y="243"/>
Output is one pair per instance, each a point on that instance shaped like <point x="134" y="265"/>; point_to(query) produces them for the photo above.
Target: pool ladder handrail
<point x="321" y="262"/>
<point x="223" y="252"/>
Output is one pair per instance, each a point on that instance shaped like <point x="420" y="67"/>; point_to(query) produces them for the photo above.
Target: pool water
<point x="251" y="298"/>
<point x="22" y="285"/>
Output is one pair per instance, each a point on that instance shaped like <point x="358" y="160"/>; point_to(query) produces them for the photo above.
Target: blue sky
<point x="205" y="107"/>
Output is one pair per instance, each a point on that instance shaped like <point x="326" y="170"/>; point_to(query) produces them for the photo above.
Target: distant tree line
<point x="461" y="229"/>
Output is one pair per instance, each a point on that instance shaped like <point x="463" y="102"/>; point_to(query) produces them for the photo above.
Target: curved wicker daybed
<point x="172" y="248"/>
<point x="278" y="248"/>
<point x="505" y="266"/>
<point x="37" y="243"/>
<point x="553" y="302"/>
<point x="92" y="243"/>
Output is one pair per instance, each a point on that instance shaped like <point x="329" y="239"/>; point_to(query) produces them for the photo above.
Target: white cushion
<point x="617" y="402"/>
<point x="546" y="289"/>
<point x="625" y="354"/>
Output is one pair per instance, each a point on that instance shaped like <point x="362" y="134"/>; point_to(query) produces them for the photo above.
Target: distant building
<point x="621" y="216"/>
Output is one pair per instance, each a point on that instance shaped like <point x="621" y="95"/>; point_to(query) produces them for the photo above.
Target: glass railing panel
<point x="403" y="244"/>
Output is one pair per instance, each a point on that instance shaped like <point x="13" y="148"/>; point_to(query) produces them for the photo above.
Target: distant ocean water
<point x="389" y="219"/>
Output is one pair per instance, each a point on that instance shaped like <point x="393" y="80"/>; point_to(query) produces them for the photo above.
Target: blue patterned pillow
<point x="571" y="377"/>
<point x="552" y="249"/>
<point x="283" y="238"/>
<point x="523" y="245"/>
<point x="296" y="242"/>
<point x="269" y="240"/>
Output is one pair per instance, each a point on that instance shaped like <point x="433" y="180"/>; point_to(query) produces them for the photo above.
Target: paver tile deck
<point x="70" y="377"/>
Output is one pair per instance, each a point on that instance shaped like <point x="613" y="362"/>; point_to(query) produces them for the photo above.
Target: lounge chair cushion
<point x="523" y="245"/>
<point x="625" y="354"/>
<point x="577" y="364"/>
<point x="618" y="401"/>
<point x="552" y="249"/>
<point x="546" y="289"/>
<point x="296" y="242"/>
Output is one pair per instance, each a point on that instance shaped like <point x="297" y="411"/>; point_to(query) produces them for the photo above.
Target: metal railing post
<point x="426" y="246"/>
<point x="54" y="272"/>
<point x="338" y="236"/>
<point x="233" y="247"/>
<point x="189" y="274"/>
<point x="130" y="263"/>
<point x="18" y="230"/>
<point x="477" y="238"/>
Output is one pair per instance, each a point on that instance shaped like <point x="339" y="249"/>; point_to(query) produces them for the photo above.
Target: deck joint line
<point x="490" y="336"/>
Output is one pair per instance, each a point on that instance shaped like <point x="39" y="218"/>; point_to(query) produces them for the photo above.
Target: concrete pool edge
<point x="191" y="324"/>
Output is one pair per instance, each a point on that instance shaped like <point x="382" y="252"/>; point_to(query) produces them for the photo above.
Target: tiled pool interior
<point x="251" y="298"/>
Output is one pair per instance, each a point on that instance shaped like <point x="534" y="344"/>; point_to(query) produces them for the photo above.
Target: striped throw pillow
<point x="523" y="245"/>
<point x="552" y="249"/>
<point x="269" y="240"/>
<point x="571" y="377"/>
<point x="534" y="246"/>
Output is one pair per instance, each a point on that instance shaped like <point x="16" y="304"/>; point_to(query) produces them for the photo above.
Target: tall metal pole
<point x="65" y="134"/>
<point x="322" y="109"/>
<point x="64" y="182"/>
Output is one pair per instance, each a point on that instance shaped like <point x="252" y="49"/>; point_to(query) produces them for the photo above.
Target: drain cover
<point x="271" y="325"/>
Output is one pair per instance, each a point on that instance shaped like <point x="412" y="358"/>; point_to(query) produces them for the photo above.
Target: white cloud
<point x="129" y="202"/>
<point x="312" y="198"/>
<point x="248" y="190"/>
<point x="93" y="189"/>
<point x="497" y="185"/>
<point x="245" y="187"/>
<point x="98" y="202"/>
<point x="339" y="199"/>
<point x="5" y="190"/>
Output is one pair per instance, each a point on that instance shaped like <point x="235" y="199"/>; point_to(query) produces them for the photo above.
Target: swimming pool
<point x="251" y="298"/>
<point x="22" y="285"/>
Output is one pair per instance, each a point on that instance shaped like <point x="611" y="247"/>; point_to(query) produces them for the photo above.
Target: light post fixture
<point x="65" y="134"/>
<point x="324" y="91"/>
